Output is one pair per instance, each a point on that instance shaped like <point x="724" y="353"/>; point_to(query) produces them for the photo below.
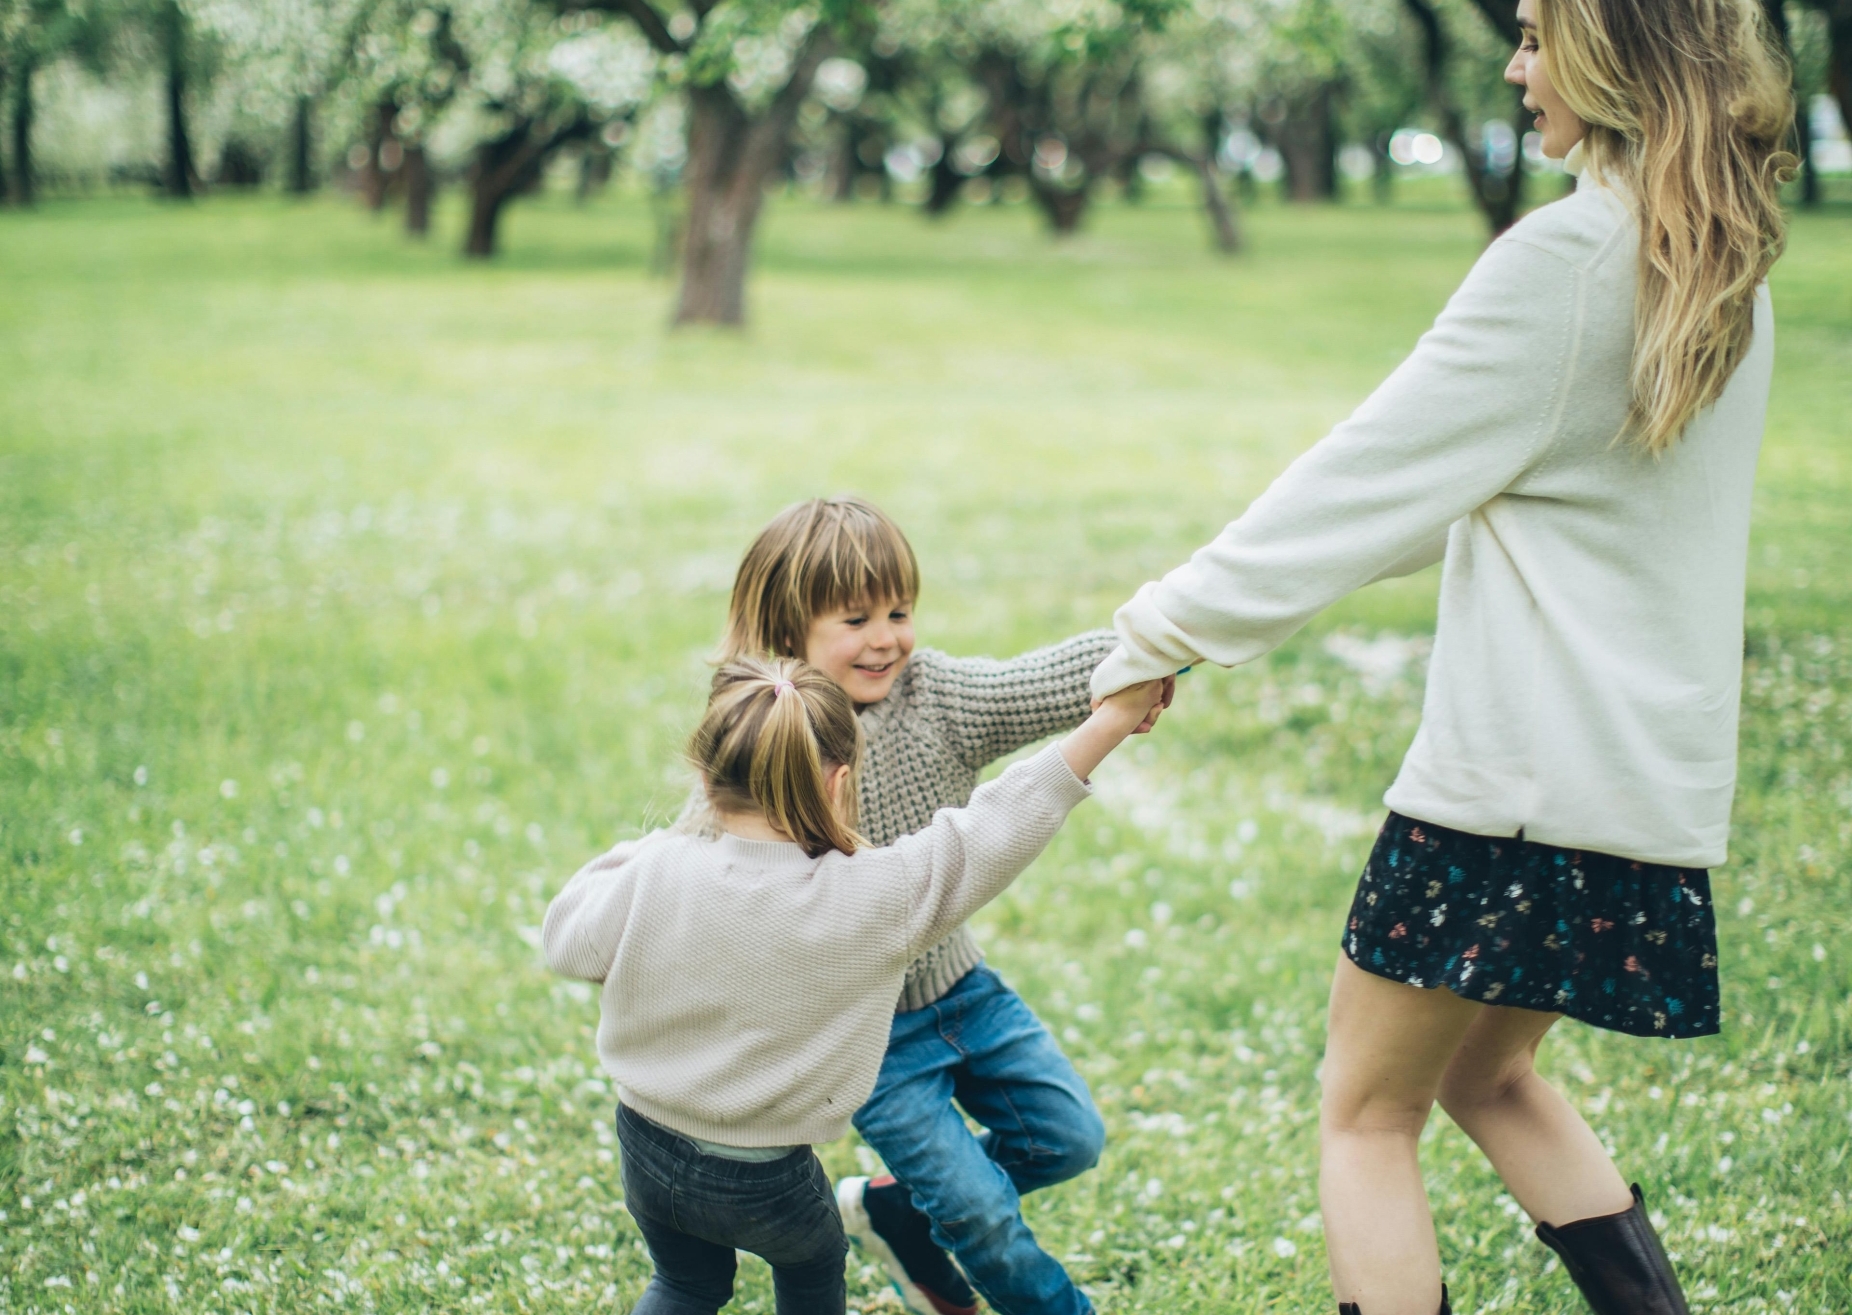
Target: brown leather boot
<point x="1352" y="1308"/>
<point x="1618" y="1262"/>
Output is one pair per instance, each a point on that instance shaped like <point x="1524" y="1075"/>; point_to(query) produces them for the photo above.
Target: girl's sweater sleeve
<point x="1473" y="407"/>
<point x="585" y="921"/>
<point x="967" y="856"/>
<point x="990" y="708"/>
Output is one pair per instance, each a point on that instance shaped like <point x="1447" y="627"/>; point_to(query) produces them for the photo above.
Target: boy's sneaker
<point x="879" y="1217"/>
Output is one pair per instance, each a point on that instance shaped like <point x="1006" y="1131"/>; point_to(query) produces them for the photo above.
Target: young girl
<point x="749" y="979"/>
<point x="833" y="581"/>
<point x="1577" y="437"/>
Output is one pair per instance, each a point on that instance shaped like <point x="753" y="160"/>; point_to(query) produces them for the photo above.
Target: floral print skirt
<point x="1631" y="947"/>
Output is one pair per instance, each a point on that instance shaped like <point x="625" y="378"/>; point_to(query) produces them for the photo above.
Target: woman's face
<point x="1558" y="123"/>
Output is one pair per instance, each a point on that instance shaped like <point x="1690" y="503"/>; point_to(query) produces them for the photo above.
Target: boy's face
<point x="862" y="648"/>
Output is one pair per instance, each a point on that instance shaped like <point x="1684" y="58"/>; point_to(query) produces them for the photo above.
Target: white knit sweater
<point x="944" y="721"/>
<point x="1584" y="684"/>
<point x="748" y="988"/>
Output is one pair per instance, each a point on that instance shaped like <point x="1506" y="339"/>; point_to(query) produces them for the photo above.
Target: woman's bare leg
<point x="1547" y="1154"/>
<point x="1388" y="1046"/>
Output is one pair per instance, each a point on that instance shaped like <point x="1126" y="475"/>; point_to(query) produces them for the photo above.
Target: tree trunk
<point x="1063" y="208"/>
<point x="839" y="181"/>
<point x="417" y="191"/>
<point x="491" y="189"/>
<point x="5" y="182"/>
<point x="373" y="173"/>
<point x="23" y="188"/>
<point x="730" y="157"/>
<point x="945" y="182"/>
<point x="595" y="164"/>
<point x="1221" y="216"/>
<point x="1307" y="143"/>
<point x="504" y="169"/>
<point x="301" y="152"/>
<point x="1382" y="175"/>
<point x="1498" y="196"/>
<point x="179" y="177"/>
<point x="1839" y="59"/>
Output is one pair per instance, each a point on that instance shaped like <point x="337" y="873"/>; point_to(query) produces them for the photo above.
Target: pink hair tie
<point x="782" y="688"/>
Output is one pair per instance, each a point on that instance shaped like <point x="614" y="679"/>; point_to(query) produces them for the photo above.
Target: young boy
<point x="833" y="581"/>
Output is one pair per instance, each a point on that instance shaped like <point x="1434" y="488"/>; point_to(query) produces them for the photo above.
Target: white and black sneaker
<point x="878" y="1216"/>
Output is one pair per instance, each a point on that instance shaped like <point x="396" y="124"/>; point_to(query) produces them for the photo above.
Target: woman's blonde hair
<point x="1688" y="106"/>
<point x="774" y="730"/>
<point x="815" y="557"/>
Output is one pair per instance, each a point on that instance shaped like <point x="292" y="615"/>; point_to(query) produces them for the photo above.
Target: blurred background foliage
<point x="936" y="103"/>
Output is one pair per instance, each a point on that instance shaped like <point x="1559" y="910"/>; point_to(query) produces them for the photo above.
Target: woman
<point x="1576" y="437"/>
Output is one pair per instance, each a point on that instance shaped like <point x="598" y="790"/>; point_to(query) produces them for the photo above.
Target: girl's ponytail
<point x="773" y="732"/>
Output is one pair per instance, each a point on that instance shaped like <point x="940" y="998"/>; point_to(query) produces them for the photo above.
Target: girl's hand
<point x="1169" y="693"/>
<point x="1114" y="717"/>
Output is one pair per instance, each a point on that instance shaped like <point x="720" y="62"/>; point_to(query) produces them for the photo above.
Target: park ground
<point x="351" y="596"/>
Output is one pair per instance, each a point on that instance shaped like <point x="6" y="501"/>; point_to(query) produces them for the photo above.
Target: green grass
<point x="351" y="596"/>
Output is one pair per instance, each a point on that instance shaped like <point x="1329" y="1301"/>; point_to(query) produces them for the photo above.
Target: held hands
<point x="1130" y="711"/>
<point x="1169" y="693"/>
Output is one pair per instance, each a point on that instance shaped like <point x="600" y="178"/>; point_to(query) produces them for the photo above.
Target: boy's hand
<point x="1114" y="717"/>
<point x="1166" y="695"/>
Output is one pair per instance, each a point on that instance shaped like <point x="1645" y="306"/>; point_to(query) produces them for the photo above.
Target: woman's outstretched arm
<point x="1472" y="408"/>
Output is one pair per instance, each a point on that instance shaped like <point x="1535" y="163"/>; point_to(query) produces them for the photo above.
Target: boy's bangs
<point x="816" y="557"/>
<point x="861" y="565"/>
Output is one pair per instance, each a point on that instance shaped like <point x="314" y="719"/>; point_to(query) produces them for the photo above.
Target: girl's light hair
<point x="815" y="557"/>
<point x="1688" y="107"/>
<point x="774" y="730"/>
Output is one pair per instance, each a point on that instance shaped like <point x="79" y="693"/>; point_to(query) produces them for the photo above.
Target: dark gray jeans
<point x="695" y="1209"/>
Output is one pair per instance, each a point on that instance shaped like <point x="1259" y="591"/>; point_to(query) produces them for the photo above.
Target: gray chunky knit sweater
<point x="945" y="720"/>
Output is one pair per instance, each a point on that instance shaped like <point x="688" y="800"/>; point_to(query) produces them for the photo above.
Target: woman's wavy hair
<point x="1689" y="107"/>
<point x="774" y="730"/>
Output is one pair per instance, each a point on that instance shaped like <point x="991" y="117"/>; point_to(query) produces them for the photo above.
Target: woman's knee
<point x="1374" y="1114"/>
<point x="1471" y="1084"/>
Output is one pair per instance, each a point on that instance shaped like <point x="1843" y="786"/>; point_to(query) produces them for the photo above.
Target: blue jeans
<point x="693" y="1209"/>
<point x="981" y="1046"/>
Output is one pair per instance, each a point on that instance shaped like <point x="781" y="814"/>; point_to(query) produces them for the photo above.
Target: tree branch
<point x="644" y="15"/>
<point x="1504" y="19"/>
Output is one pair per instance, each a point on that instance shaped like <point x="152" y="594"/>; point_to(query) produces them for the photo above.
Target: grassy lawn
<point x="350" y="597"/>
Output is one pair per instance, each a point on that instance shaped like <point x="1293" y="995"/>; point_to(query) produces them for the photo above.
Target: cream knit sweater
<point x="1584" y="684"/>
<point x="945" y="720"/>
<point x="748" y="988"/>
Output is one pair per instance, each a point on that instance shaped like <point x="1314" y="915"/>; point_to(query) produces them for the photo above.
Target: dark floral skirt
<point x="1631" y="947"/>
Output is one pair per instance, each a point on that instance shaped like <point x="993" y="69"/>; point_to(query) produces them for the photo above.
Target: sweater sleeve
<point x="990" y="708"/>
<point x="967" y="856"/>
<point x="585" y="921"/>
<point x="1469" y="412"/>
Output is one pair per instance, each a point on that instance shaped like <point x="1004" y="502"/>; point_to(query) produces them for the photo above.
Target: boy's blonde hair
<point x="774" y="730"/>
<point x="815" y="557"/>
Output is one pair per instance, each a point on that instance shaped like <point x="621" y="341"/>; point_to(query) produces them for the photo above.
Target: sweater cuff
<point x="1123" y="669"/>
<point x="1049" y="773"/>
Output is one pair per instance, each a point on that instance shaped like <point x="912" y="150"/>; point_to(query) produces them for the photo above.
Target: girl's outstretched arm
<point x="969" y="855"/>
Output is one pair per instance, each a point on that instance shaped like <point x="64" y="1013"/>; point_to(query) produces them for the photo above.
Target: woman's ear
<point x="837" y="781"/>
